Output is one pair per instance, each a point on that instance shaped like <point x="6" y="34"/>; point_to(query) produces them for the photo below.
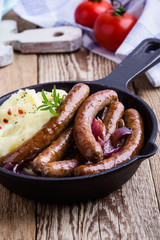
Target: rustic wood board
<point x="131" y="212"/>
<point x="41" y="40"/>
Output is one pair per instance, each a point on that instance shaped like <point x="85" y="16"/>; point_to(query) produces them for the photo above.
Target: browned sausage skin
<point x="63" y="168"/>
<point x="85" y="141"/>
<point x="132" y="147"/>
<point x="112" y="117"/>
<point x="52" y="129"/>
<point x="55" y="151"/>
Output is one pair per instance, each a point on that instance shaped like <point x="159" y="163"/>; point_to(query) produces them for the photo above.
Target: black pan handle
<point x="149" y="150"/>
<point x="143" y="57"/>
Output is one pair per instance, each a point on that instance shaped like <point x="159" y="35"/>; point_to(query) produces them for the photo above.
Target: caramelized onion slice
<point x="109" y="149"/>
<point x="9" y="166"/>
<point x="98" y="129"/>
<point x="119" y="134"/>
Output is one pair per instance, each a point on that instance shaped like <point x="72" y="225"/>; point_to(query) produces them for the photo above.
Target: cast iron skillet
<point x="73" y="189"/>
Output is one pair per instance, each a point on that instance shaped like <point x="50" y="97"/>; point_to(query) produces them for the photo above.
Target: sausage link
<point x="114" y="114"/>
<point x="85" y="141"/>
<point x="55" y="151"/>
<point x="63" y="168"/>
<point x="132" y="147"/>
<point x="52" y="129"/>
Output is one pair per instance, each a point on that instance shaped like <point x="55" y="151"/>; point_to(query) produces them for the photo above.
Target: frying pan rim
<point x="61" y="179"/>
<point x="114" y="169"/>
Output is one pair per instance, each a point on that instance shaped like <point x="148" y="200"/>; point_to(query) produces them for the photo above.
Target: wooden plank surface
<point x="131" y="212"/>
<point x="17" y="214"/>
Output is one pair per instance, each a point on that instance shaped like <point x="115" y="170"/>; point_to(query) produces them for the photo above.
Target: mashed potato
<point x="20" y="119"/>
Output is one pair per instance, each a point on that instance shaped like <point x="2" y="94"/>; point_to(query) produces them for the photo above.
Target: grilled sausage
<point x="132" y="147"/>
<point x="114" y="114"/>
<point x="85" y="141"/>
<point x="63" y="168"/>
<point x="52" y="129"/>
<point x="55" y="151"/>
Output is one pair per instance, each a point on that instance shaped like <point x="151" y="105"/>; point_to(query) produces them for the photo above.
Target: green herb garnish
<point x="48" y="104"/>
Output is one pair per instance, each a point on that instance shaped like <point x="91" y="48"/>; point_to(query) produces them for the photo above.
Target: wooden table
<point x="131" y="212"/>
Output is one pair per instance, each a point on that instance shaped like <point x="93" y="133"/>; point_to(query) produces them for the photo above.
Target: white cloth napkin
<point x="48" y="13"/>
<point x="148" y="26"/>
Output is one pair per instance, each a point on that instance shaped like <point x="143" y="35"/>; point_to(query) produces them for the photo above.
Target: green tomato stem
<point x="119" y="10"/>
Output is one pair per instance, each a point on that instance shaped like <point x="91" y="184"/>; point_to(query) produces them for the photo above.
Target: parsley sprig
<point x="48" y="104"/>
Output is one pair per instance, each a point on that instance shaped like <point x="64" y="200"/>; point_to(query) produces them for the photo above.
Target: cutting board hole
<point x="58" y="34"/>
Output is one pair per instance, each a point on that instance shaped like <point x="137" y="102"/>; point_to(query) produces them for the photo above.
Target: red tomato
<point x="87" y="12"/>
<point x="110" y="30"/>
